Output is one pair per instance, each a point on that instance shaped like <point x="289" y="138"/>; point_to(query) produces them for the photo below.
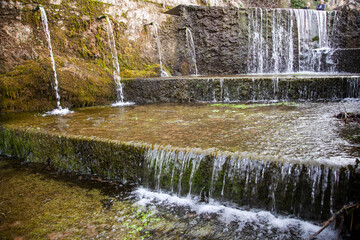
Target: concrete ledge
<point x="242" y="88"/>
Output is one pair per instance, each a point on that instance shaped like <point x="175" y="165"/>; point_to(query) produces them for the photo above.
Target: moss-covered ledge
<point x="108" y="159"/>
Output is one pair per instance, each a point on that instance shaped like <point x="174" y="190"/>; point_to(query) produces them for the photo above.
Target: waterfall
<point x="256" y="42"/>
<point x="59" y="110"/>
<point x="162" y="72"/>
<point x="289" y="40"/>
<point x="304" y="190"/>
<point x="191" y="47"/>
<point x="314" y="42"/>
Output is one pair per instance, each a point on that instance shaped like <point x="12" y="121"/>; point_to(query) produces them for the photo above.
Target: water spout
<point x="59" y="110"/>
<point x="191" y="47"/>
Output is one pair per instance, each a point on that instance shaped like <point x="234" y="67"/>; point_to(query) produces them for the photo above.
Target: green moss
<point x="315" y="39"/>
<point x="27" y="87"/>
<point x="149" y="71"/>
<point x="85" y="155"/>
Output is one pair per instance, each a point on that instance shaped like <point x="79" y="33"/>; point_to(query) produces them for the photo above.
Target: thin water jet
<point x="191" y="47"/>
<point x="59" y="110"/>
<point x="163" y="73"/>
<point x="116" y="65"/>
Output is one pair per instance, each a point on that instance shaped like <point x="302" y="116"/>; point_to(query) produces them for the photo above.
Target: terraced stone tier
<point x="292" y="158"/>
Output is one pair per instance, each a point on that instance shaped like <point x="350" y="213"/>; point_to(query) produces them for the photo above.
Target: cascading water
<point x="162" y="71"/>
<point x="289" y="40"/>
<point x="314" y="42"/>
<point x="59" y="109"/>
<point x="310" y="191"/>
<point x="191" y="47"/>
<point x="115" y="61"/>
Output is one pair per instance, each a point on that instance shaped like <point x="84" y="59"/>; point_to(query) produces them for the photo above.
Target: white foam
<point x="59" y="111"/>
<point x="258" y="219"/>
<point x="121" y="104"/>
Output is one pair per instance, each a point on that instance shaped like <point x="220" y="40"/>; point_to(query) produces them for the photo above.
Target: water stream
<point x="39" y="202"/>
<point x="191" y="47"/>
<point x="163" y="73"/>
<point x="115" y="61"/>
<point x="59" y="110"/>
<point x="287" y="158"/>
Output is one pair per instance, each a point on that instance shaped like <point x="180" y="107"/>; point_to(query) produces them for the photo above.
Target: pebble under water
<point x="38" y="202"/>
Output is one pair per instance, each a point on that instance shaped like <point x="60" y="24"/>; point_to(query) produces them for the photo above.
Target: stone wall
<point x="217" y="39"/>
<point x="236" y="89"/>
<point x="348" y="59"/>
<point x="347" y="32"/>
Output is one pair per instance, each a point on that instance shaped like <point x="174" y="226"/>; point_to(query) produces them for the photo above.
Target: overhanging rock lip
<point x="175" y="11"/>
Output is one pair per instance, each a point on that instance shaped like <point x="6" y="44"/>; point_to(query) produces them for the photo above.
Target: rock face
<point x="347" y="33"/>
<point x="217" y="39"/>
<point x="80" y="41"/>
<point x="269" y="4"/>
<point x="82" y="54"/>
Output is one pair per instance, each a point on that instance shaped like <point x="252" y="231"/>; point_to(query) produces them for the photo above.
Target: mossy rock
<point x="29" y="87"/>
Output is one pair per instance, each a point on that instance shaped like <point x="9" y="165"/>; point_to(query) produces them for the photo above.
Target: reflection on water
<point x="302" y="131"/>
